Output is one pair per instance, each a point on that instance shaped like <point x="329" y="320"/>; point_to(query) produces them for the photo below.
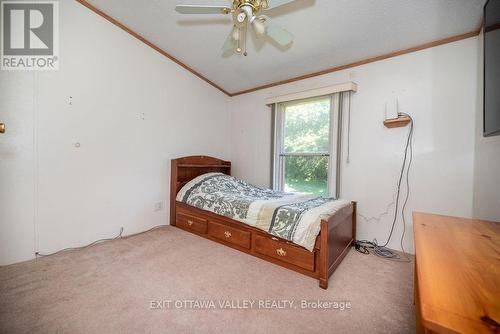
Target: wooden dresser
<point x="457" y="274"/>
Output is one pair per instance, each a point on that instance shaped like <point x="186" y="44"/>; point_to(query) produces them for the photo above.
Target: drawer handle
<point x="281" y="252"/>
<point x="227" y="234"/>
<point x="190" y="222"/>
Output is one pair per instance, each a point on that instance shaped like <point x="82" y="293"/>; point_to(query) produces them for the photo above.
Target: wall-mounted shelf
<point x="397" y="122"/>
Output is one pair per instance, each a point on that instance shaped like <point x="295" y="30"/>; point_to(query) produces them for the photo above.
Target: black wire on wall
<point x="365" y="246"/>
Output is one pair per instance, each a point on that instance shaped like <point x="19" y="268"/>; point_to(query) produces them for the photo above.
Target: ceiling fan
<point x="246" y="16"/>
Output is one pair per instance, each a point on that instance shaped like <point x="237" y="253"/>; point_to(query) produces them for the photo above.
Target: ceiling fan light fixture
<point x="259" y="25"/>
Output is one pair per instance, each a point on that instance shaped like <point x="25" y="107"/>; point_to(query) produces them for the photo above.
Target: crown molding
<point x="364" y="61"/>
<point x="420" y="47"/>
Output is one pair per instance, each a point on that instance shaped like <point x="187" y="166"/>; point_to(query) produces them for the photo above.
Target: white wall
<point x="16" y="167"/>
<point x="437" y="86"/>
<point x="55" y="195"/>
<point x="486" y="160"/>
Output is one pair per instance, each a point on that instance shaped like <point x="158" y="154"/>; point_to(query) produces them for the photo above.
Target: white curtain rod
<point x="343" y="87"/>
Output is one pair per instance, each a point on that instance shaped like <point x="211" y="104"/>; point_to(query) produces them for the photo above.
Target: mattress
<point x="291" y="216"/>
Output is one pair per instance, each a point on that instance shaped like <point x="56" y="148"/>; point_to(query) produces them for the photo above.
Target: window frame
<point x="279" y="156"/>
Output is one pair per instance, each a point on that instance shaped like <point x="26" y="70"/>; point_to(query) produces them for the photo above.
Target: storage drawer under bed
<point x="192" y="223"/>
<point x="229" y="234"/>
<point x="266" y="245"/>
<point x="284" y="251"/>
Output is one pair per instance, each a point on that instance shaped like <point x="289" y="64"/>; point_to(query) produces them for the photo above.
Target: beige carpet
<point x="117" y="287"/>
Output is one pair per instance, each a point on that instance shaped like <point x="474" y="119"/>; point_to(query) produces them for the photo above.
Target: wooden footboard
<point x="332" y="244"/>
<point x="337" y="235"/>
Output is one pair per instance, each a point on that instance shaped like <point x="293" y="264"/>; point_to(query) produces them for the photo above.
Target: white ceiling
<point x="327" y="33"/>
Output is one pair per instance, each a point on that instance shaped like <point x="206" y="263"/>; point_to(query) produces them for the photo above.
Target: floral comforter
<point x="291" y="216"/>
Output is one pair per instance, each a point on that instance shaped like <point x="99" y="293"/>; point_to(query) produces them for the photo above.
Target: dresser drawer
<point x="229" y="234"/>
<point x="285" y="252"/>
<point x="191" y="223"/>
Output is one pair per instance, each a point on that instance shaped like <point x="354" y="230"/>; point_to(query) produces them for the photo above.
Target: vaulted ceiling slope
<point x="328" y="33"/>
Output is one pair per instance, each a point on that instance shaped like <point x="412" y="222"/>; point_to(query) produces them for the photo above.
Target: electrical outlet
<point x="159" y="206"/>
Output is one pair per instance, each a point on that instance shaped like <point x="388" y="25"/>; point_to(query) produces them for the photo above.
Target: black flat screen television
<point x="491" y="116"/>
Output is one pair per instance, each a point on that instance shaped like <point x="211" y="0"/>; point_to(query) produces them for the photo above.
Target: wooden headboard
<point x="185" y="169"/>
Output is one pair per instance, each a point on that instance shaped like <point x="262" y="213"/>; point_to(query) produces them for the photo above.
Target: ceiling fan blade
<point x="276" y="3"/>
<point x="230" y="43"/>
<point x="278" y="34"/>
<point x="201" y="9"/>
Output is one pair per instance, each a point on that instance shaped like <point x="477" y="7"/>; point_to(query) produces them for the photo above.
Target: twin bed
<point x="310" y="235"/>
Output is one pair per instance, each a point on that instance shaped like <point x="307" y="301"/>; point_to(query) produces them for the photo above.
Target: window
<point x="305" y="146"/>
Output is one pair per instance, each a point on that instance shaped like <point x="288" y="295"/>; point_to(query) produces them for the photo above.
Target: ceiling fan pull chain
<point x="245" y="41"/>
<point x="238" y="47"/>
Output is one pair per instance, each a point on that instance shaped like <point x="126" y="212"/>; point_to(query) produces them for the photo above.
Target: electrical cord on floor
<point x="367" y="247"/>
<point x="119" y="236"/>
